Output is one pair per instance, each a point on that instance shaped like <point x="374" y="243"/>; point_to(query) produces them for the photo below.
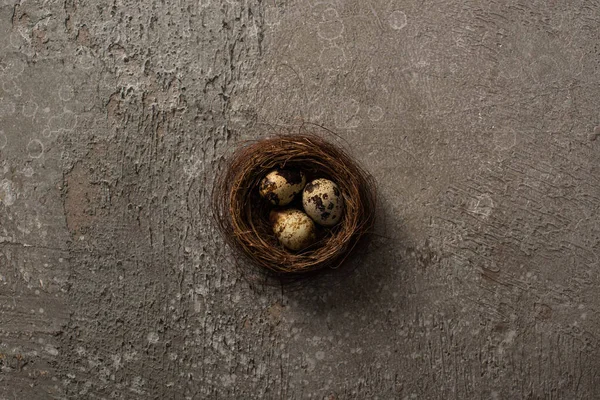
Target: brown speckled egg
<point x="323" y="202"/>
<point x="294" y="229"/>
<point x="281" y="185"/>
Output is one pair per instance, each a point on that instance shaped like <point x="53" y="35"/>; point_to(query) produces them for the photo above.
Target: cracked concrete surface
<point x="478" y="119"/>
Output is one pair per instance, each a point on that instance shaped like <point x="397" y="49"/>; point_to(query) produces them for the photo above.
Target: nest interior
<point x="243" y="216"/>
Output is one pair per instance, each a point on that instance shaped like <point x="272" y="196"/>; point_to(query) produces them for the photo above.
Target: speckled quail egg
<point x="293" y="228"/>
<point x="281" y="185"/>
<point x="323" y="202"/>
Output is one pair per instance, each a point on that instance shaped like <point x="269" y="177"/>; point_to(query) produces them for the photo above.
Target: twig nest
<point x="281" y="185"/>
<point x="323" y="202"/>
<point x="263" y="176"/>
<point x="293" y="228"/>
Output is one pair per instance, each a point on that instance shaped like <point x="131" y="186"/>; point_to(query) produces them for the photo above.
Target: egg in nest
<point x="323" y="202"/>
<point x="293" y="228"/>
<point x="281" y="185"/>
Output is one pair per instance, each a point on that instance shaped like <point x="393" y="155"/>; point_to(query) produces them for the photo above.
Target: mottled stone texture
<point x="479" y="119"/>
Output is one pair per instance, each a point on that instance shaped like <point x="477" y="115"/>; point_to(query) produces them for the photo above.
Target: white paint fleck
<point x="482" y="205"/>
<point x="51" y="350"/>
<point x="116" y="359"/>
<point x="332" y="27"/>
<point x="375" y="113"/>
<point x="194" y="167"/>
<point x="228" y="379"/>
<point x="30" y="109"/>
<point x="23" y="229"/>
<point x="320" y="355"/>
<point x="130" y="356"/>
<point x="510" y="337"/>
<point x="64" y="122"/>
<point x="11" y="87"/>
<point x="66" y="93"/>
<point x="330" y="14"/>
<point x="398" y="20"/>
<point x="137" y="384"/>
<point x="35" y="148"/>
<point x="28" y="171"/>
<point x="8" y="192"/>
<point x="153" y="338"/>
<point x="86" y="60"/>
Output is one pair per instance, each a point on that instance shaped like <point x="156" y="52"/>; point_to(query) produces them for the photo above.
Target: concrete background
<point x="479" y="120"/>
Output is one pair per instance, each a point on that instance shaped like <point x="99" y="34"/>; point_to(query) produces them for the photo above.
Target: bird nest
<point x="242" y="215"/>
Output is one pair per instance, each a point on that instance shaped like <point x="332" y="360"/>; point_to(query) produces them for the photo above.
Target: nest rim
<point x="241" y="215"/>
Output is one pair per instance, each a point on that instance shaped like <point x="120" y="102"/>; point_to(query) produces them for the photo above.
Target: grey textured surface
<point x="479" y="120"/>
